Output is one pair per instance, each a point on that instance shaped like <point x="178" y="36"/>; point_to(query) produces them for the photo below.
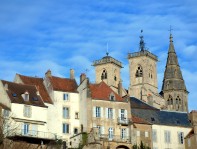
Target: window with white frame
<point x="25" y="96"/>
<point x="138" y="133"/>
<point x="6" y="113"/>
<point x="25" y="129"/>
<point x="98" y="111"/>
<point x="122" y="114"/>
<point x="180" y="137"/>
<point x="65" y="128"/>
<point x="65" y="97"/>
<point x="146" y="134"/>
<point x="110" y="113"/>
<point x="189" y="142"/>
<point x="167" y="136"/>
<point x="65" y="112"/>
<point x="111" y="133"/>
<point x="123" y="133"/>
<point x="154" y="133"/>
<point x="27" y="111"/>
<point x="76" y="115"/>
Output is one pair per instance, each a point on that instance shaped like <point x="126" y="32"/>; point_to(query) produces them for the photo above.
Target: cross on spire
<point x="171" y="34"/>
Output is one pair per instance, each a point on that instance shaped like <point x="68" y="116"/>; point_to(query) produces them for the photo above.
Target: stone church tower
<point x="108" y="69"/>
<point x="143" y="74"/>
<point x="173" y="89"/>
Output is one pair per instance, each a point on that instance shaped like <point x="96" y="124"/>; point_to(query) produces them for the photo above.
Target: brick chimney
<point x="48" y="73"/>
<point x="82" y="77"/>
<point x="72" y="74"/>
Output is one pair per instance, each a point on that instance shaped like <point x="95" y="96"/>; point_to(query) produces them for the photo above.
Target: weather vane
<point x="170" y="29"/>
<point x="107" y="53"/>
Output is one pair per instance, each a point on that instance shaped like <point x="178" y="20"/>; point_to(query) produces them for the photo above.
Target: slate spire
<point x="173" y="79"/>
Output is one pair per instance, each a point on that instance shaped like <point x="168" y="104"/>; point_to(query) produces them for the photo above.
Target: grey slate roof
<point x="136" y="103"/>
<point x="155" y="116"/>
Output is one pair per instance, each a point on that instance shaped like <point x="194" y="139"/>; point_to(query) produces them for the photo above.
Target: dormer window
<point x="25" y="96"/>
<point x="112" y="97"/>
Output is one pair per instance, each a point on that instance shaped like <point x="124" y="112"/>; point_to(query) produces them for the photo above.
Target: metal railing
<point x="116" y="138"/>
<point x="142" y="53"/>
<point x="107" y="59"/>
<point x="123" y="121"/>
<point x="33" y="134"/>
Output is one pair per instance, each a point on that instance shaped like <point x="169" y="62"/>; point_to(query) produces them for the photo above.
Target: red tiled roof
<point x="63" y="84"/>
<point x="38" y="82"/>
<point x="16" y="90"/>
<point x="138" y="120"/>
<point x="102" y="91"/>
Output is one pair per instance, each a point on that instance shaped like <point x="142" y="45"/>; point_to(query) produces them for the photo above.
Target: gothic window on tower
<point x="104" y="75"/>
<point x="151" y="72"/>
<point x="139" y="72"/>
<point x="170" y="100"/>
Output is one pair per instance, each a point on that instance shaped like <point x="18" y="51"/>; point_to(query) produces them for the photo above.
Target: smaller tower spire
<point x="142" y="44"/>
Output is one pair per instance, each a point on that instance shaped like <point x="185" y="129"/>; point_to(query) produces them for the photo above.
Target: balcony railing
<point x="32" y="134"/>
<point x="115" y="138"/>
<point x="123" y="121"/>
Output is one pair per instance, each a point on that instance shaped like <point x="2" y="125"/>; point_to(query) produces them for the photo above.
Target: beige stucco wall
<point x="141" y="129"/>
<point x="174" y="144"/>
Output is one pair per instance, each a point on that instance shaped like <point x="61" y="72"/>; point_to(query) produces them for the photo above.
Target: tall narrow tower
<point x="107" y="69"/>
<point x="173" y="89"/>
<point x="143" y="73"/>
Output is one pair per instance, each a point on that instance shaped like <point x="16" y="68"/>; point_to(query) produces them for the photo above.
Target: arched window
<point x="170" y="100"/>
<point x="151" y="72"/>
<point x="139" y="71"/>
<point x="104" y="75"/>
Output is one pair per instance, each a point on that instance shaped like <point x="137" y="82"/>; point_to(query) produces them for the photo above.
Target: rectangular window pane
<point x="65" y="112"/>
<point x="65" y="97"/>
<point x="98" y="112"/>
<point x="110" y="113"/>
<point x="65" y="128"/>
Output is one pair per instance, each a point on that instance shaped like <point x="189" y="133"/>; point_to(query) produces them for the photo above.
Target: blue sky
<point x="39" y="35"/>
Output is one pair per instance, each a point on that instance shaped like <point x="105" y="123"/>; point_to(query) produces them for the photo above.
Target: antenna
<point x="107" y="53"/>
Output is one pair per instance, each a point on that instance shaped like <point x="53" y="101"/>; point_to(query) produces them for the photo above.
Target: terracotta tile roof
<point x="138" y="120"/>
<point x="38" y="82"/>
<point x="16" y="90"/>
<point x="102" y="91"/>
<point x="64" y="84"/>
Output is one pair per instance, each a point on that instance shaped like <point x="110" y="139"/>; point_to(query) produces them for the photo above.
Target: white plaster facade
<point x="56" y="118"/>
<point x="172" y="141"/>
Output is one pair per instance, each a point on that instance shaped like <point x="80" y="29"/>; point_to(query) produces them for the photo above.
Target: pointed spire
<point x="142" y="44"/>
<point x="173" y="78"/>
